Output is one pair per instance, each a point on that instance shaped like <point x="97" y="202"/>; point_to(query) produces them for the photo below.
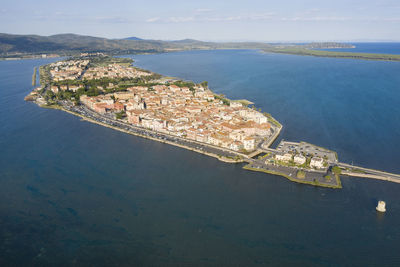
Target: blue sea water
<point x="76" y="193"/>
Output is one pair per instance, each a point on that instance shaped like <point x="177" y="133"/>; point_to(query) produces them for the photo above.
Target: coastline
<point x="245" y="158"/>
<point x="221" y="158"/>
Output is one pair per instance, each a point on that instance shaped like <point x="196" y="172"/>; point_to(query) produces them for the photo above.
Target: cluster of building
<point x="299" y="159"/>
<point x="193" y="113"/>
<point x="114" y="71"/>
<point x="56" y="88"/>
<point x="67" y="70"/>
<point x="78" y="69"/>
<point x="103" y="103"/>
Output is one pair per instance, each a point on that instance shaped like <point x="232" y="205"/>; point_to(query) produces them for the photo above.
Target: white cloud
<point x="307" y="16"/>
<point x="204" y="10"/>
<point x="112" y="20"/>
<point x="153" y="19"/>
<point x="170" y="19"/>
<point x="317" y="18"/>
<point x="338" y="19"/>
<point x="264" y="16"/>
<point x="180" y="19"/>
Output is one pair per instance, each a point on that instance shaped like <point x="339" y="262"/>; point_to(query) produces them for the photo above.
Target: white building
<point x="285" y="157"/>
<point x="249" y="143"/>
<point x="73" y="88"/>
<point x="299" y="159"/>
<point x="317" y="162"/>
<point x="236" y="145"/>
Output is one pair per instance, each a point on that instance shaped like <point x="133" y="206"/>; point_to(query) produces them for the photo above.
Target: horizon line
<point x="367" y="40"/>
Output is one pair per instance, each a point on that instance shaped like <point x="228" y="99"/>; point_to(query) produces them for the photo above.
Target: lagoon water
<point x="76" y="193"/>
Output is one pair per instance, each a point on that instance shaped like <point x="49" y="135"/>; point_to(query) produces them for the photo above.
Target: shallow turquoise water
<point x="75" y="193"/>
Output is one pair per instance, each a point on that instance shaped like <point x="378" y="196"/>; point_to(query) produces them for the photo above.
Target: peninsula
<point x="111" y="92"/>
<point x="311" y="51"/>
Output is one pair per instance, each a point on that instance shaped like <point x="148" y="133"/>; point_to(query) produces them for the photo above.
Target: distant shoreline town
<point x="111" y="92"/>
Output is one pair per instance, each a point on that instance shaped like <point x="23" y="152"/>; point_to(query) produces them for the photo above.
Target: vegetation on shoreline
<point x="34" y="76"/>
<point x="224" y="100"/>
<point x="298" y="50"/>
<point x="272" y="120"/>
<point x="336" y="170"/>
<point x="44" y="75"/>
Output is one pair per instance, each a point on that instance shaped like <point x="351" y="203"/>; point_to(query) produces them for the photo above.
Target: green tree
<point x="49" y="95"/>
<point x="336" y="170"/>
<point x="120" y="115"/>
<point x="204" y="84"/>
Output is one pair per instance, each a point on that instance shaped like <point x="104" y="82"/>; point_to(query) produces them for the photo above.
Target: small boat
<point x="381" y="206"/>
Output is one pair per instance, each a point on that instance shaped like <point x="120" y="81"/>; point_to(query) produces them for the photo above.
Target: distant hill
<point x="70" y="43"/>
<point x="185" y="41"/>
<point x="133" y="38"/>
<point x="11" y="44"/>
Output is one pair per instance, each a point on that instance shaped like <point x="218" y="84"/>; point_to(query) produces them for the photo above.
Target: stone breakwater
<point x="371" y="176"/>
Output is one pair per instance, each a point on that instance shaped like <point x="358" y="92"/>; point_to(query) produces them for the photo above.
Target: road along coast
<point x="220" y="154"/>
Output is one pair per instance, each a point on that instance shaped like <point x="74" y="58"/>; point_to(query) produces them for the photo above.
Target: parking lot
<point x="307" y="150"/>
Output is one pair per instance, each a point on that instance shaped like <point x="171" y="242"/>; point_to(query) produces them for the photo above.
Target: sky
<point x="208" y="20"/>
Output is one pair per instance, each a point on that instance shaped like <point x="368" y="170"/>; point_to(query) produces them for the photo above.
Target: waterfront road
<point x="201" y="147"/>
<point x="364" y="172"/>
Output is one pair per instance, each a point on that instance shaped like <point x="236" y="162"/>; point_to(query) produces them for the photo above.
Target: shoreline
<point x="244" y="158"/>
<point x="231" y="161"/>
<point x="370" y="176"/>
<point x="339" y="186"/>
<point x="220" y="158"/>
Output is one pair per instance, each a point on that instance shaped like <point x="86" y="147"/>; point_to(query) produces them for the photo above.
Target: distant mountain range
<point x="73" y="43"/>
<point x="25" y="46"/>
<point x="70" y="43"/>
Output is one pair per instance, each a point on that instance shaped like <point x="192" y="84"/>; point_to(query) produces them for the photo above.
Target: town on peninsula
<point x="111" y="92"/>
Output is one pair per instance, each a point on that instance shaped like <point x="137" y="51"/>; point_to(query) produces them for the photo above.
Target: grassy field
<point x="105" y="61"/>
